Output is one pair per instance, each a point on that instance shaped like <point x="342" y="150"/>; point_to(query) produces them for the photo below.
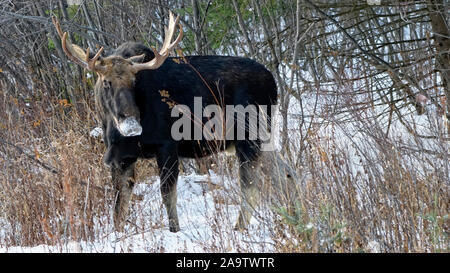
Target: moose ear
<point x="137" y="58"/>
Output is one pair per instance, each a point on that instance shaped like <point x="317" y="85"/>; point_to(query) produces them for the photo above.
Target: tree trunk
<point x="441" y="35"/>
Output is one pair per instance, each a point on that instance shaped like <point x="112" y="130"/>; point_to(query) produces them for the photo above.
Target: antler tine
<point x="69" y="52"/>
<point x="91" y="62"/>
<point x="168" y="32"/>
<point x="57" y="26"/>
<point x="167" y="46"/>
<point x="75" y="53"/>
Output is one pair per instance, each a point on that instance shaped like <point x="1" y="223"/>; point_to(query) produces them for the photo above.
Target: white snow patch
<point x="374" y="247"/>
<point x="97" y="132"/>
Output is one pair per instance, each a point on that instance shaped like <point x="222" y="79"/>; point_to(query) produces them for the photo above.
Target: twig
<point x="47" y="21"/>
<point x="396" y="76"/>
<point x="51" y="169"/>
<point x="34" y="159"/>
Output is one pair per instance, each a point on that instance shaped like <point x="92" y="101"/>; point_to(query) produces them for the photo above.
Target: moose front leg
<point x="123" y="181"/>
<point x="168" y="171"/>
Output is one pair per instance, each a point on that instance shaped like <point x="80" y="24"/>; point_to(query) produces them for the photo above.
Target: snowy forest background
<point x="364" y="90"/>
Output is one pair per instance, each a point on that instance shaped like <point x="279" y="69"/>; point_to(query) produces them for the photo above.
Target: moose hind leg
<point x="169" y="197"/>
<point x="123" y="180"/>
<point x="168" y="167"/>
<point x="249" y="177"/>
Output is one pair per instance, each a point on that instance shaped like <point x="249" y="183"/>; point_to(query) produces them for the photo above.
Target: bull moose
<point x="135" y="92"/>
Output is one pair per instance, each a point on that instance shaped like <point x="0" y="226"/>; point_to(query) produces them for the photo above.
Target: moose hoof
<point x="241" y="224"/>
<point x="174" y="228"/>
<point x="119" y="226"/>
<point x="119" y="223"/>
<point x="239" y="227"/>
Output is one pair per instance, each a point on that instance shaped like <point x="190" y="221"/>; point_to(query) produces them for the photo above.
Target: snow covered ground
<point x="208" y="204"/>
<point x="207" y="212"/>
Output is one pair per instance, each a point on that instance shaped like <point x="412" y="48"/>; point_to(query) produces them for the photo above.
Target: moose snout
<point x="127" y="114"/>
<point x="129" y="126"/>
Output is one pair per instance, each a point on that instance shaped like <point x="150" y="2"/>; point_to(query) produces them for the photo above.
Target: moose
<point x="135" y="92"/>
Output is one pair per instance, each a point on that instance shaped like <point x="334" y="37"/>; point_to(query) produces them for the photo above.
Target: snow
<point x="374" y="247"/>
<point x="97" y="132"/>
<point x="130" y="127"/>
<point x="207" y="212"/>
<point x="374" y="2"/>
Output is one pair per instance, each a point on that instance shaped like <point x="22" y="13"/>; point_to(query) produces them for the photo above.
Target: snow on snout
<point x="130" y="127"/>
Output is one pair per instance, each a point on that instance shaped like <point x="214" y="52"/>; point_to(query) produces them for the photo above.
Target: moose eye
<point x="106" y="84"/>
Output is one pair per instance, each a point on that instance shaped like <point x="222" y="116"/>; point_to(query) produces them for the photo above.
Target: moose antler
<point x="167" y="46"/>
<point x="75" y="53"/>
